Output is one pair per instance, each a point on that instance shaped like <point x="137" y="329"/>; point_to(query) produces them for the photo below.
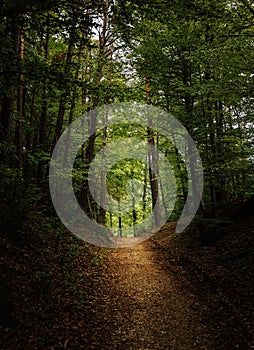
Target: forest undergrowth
<point x="171" y="292"/>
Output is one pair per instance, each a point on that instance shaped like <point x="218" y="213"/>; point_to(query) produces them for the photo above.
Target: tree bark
<point x="103" y="187"/>
<point x="144" y="199"/>
<point x="89" y="153"/>
<point x="153" y="165"/>
<point x="64" y="94"/>
<point x="120" y="220"/>
<point x="20" y="95"/>
<point x="43" y="119"/>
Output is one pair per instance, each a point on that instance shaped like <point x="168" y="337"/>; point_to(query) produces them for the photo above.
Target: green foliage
<point x="196" y="57"/>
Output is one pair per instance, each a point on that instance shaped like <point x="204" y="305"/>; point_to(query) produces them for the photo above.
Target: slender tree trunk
<point x="89" y="153"/>
<point x="120" y="220"/>
<point x="85" y="57"/>
<point x="209" y="175"/>
<point x="84" y="193"/>
<point x="74" y="99"/>
<point x="153" y="165"/>
<point x="103" y="180"/>
<point x="64" y="95"/>
<point x="134" y="212"/>
<point x="8" y="97"/>
<point x="43" y="119"/>
<point x="183" y="177"/>
<point x="144" y="199"/>
<point x="110" y="219"/>
<point x="20" y="96"/>
<point x="29" y="135"/>
<point x="220" y="185"/>
<point x="89" y="156"/>
<point x="161" y="188"/>
<point x="189" y="107"/>
<point x="103" y="188"/>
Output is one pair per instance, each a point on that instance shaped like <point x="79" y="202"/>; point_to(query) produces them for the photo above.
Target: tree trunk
<point x="103" y="188"/>
<point x="120" y="220"/>
<point x="64" y="94"/>
<point x="74" y="98"/>
<point x="144" y="200"/>
<point x="43" y="119"/>
<point x="8" y="96"/>
<point x="29" y="135"/>
<point x="153" y="165"/>
<point x="209" y="166"/>
<point x="89" y="153"/>
<point x="134" y="212"/>
<point x="20" y="95"/>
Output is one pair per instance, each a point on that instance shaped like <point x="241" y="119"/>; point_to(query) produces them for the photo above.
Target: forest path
<point x="144" y="305"/>
<point x="169" y="292"/>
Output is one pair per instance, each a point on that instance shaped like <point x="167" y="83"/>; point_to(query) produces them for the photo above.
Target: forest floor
<point x="170" y="292"/>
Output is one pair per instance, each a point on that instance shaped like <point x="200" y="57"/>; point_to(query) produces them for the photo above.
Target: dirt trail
<point x="169" y="292"/>
<point x="144" y="306"/>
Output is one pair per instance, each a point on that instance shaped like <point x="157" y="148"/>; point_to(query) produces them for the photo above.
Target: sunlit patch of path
<point x="143" y="305"/>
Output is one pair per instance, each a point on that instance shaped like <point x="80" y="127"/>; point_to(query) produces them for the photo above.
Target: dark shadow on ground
<point x="219" y="272"/>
